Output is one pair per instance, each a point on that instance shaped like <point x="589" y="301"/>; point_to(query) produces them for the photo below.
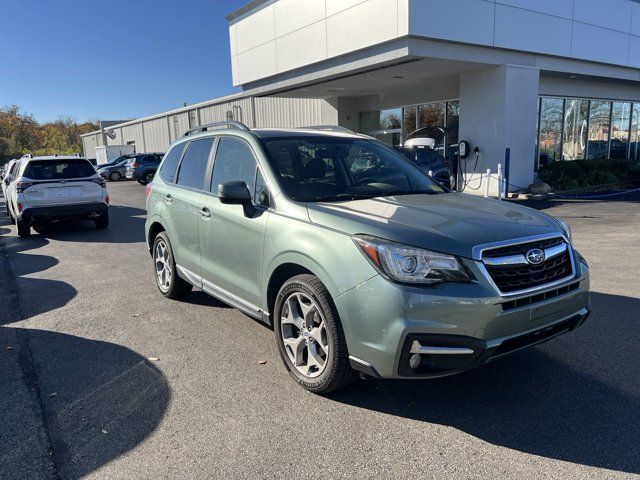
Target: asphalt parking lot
<point x="100" y="376"/>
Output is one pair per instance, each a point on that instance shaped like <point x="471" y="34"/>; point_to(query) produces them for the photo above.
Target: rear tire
<point x="309" y="335"/>
<point x="170" y="284"/>
<point x="11" y="219"/>
<point x="147" y="178"/>
<point x="24" y="228"/>
<point x="102" y="222"/>
<point x="115" y="177"/>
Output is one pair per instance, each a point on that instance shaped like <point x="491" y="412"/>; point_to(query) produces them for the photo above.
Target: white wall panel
<point x="336" y="6"/>
<point x="302" y="47"/>
<point x="613" y="14"/>
<point x="599" y="44"/>
<point x="524" y="30"/>
<point x="635" y="18"/>
<point x="256" y="29"/>
<point x="634" y="52"/>
<point x="468" y="21"/>
<point x="260" y="62"/>
<point x="291" y="15"/>
<point x="559" y="8"/>
<point x="368" y="23"/>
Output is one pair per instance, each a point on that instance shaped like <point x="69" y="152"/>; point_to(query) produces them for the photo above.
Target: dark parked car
<point x="429" y="160"/>
<point x="143" y="167"/>
<point x="116" y="170"/>
<point x="425" y="148"/>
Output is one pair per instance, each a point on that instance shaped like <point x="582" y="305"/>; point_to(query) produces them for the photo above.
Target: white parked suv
<point x="6" y="177"/>
<point x="43" y="189"/>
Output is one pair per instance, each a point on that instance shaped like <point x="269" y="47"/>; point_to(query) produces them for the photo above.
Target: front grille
<point x="527" y="301"/>
<point x="513" y="278"/>
<point x="521" y="248"/>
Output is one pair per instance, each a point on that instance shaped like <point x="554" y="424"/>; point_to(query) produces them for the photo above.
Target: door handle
<point x="168" y="199"/>
<point x="205" y="213"/>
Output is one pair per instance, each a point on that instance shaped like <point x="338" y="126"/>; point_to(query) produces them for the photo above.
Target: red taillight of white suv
<point x="148" y="188"/>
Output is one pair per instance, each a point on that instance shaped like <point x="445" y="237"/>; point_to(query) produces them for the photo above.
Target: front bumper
<point x="452" y="327"/>
<point x="60" y="212"/>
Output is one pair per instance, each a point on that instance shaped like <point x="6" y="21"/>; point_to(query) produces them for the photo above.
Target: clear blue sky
<point x="113" y="59"/>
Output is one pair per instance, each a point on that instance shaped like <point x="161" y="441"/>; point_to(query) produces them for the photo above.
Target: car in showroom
<point x="52" y="188"/>
<point x="359" y="261"/>
<point x="116" y="170"/>
<point x="142" y="167"/>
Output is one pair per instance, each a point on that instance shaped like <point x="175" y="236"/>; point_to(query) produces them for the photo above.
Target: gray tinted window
<point x="234" y="162"/>
<point x="194" y="164"/>
<point x="170" y="165"/>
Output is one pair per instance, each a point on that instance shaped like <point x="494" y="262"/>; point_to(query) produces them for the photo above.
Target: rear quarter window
<point x="170" y="165"/>
<point x="58" y="169"/>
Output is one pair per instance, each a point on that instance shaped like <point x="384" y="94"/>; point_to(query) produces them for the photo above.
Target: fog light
<point x="414" y="361"/>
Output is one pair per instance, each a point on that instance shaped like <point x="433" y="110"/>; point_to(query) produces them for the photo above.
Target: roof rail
<point x="329" y="128"/>
<point x="217" y="126"/>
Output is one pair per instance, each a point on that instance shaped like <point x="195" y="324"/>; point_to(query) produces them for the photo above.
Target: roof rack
<point x="217" y="126"/>
<point x="329" y="128"/>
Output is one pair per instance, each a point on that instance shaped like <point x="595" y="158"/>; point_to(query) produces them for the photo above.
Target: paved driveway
<point x="100" y="376"/>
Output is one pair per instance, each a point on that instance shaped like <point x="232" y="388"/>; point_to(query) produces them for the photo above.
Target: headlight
<point x="408" y="264"/>
<point x="567" y="229"/>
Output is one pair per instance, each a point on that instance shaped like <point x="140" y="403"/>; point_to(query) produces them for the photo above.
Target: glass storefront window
<point x="385" y="125"/>
<point x="410" y="123"/>
<point x="599" y="127"/>
<point x="432" y="115"/>
<point x="575" y="129"/>
<point x="620" y="122"/>
<point x="550" y="137"/>
<point x="635" y="133"/>
<point x="453" y="122"/>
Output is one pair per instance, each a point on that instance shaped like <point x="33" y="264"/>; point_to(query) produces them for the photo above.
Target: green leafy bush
<point x="569" y="175"/>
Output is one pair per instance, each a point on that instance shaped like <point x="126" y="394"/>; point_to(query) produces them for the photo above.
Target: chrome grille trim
<point x="550" y="253"/>
<point x="521" y="260"/>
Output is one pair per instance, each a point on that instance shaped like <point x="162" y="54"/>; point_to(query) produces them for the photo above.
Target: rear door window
<point x="58" y="169"/>
<point x="194" y="164"/>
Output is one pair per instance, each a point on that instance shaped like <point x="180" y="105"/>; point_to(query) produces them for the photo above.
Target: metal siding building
<point x="157" y="132"/>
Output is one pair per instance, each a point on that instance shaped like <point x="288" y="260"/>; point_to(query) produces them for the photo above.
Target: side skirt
<point x="224" y="296"/>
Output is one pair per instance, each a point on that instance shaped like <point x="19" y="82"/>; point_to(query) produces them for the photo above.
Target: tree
<point x="20" y="133"/>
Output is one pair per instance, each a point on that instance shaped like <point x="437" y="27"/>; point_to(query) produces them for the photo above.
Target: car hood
<point x="450" y="223"/>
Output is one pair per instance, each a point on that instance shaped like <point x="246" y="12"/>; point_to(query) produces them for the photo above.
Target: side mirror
<point x="237" y="193"/>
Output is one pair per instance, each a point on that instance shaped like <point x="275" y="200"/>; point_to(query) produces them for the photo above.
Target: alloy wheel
<point x="164" y="274"/>
<point x="304" y="334"/>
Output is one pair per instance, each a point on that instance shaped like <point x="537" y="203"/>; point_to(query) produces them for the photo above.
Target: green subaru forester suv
<point x="359" y="261"/>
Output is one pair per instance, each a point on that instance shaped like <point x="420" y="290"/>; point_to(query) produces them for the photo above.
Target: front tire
<point x="309" y="335"/>
<point x="115" y="177"/>
<point x="24" y="228"/>
<point x="167" y="279"/>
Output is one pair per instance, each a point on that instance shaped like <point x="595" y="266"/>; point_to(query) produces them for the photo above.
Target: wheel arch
<point x="155" y="228"/>
<point x="287" y="266"/>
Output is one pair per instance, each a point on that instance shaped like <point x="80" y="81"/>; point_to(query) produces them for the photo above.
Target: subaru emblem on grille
<point x="535" y="256"/>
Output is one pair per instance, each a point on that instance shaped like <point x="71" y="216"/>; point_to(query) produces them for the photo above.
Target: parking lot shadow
<point x="126" y="225"/>
<point x="100" y="400"/>
<point x="24" y="296"/>
<point x="576" y="398"/>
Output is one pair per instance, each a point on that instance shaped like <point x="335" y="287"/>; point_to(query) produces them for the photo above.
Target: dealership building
<point x="550" y="80"/>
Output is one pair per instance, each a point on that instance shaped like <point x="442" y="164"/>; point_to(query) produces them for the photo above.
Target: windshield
<point x="320" y="168"/>
<point x="58" y="169"/>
